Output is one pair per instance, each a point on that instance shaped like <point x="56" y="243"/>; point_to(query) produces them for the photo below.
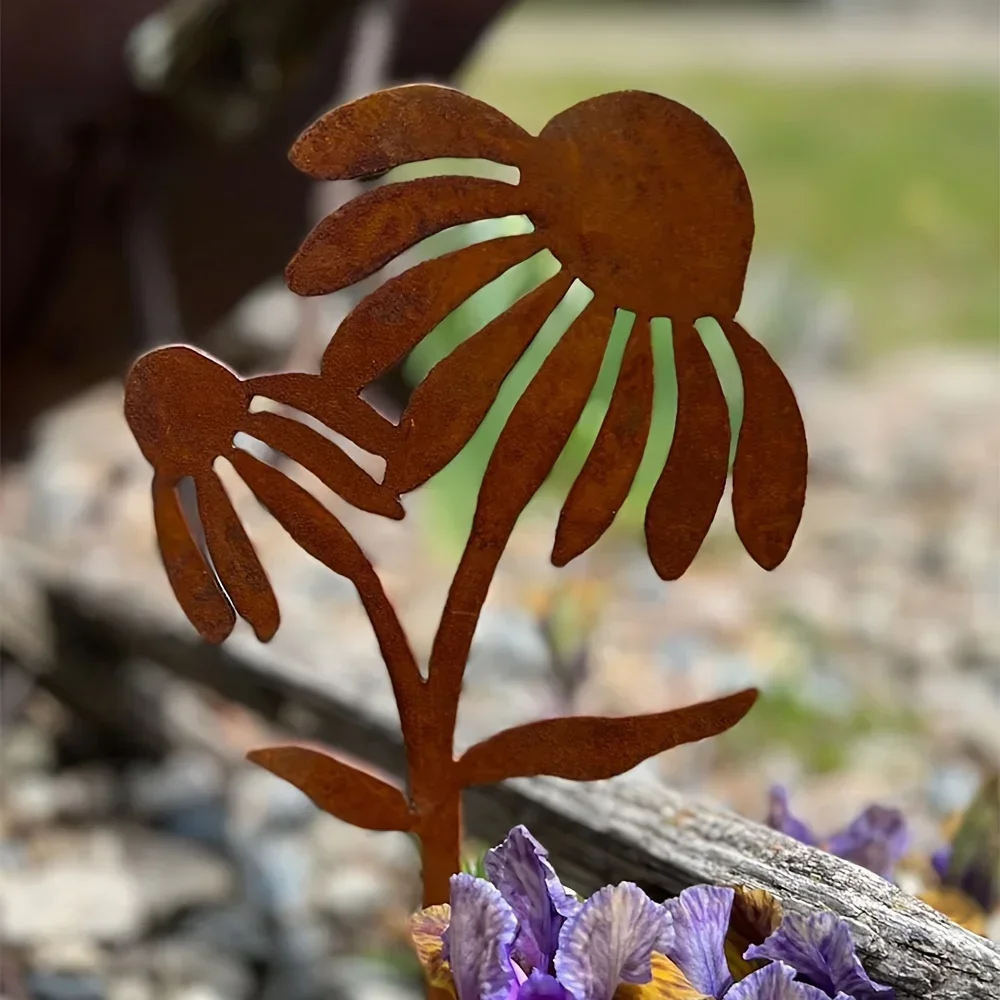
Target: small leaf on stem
<point x="589" y="748"/>
<point x="341" y="789"/>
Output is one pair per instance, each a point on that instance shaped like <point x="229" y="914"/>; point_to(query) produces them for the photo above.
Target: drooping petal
<point x="777" y="982"/>
<point x="780" y="818"/>
<point x="540" y="424"/>
<point x="701" y="920"/>
<point x="668" y="983"/>
<point x="427" y="929"/>
<point x="541" y="986"/>
<point x="454" y="398"/>
<point x="592" y="748"/>
<point x="820" y="948"/>
<point x="477" y="943"/>
<point x="386" y="325"/>
<point x="769" y="474"/>
<point x="344" y="790"/>
<point x="338" y="407"/>
<point x="606" y="477"/>
<point x="325" y="460"/>
<point x="611" y="940"/>
<point x="405" y="124"/>
<point x="684" y="501"/>
<point x="191" y="578"/>
<point x="372" y="229"/>
<point x="308" y="522"/>
<point x="876" y="840"/>
<point x="235" y="558"/>
<point x="520" y="869"/>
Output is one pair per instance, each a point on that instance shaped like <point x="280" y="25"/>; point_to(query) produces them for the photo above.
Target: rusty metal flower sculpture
<point x="644" y="204"/>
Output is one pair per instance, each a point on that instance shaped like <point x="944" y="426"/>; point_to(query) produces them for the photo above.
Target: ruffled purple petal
<point x="610" y="940"/>
<point x="520" y="869"/>
<point x="777" y="982"/>
<point x="821" y="950"/>
<point x="477" y="943"/>
<point x="701" y="921"/>
<point x="876" y="840"/>
<point x="541" y="986"/>
<point x="779" y="818"/>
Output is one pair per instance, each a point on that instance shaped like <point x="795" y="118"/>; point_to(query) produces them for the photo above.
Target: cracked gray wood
<point x="596" y="834"/>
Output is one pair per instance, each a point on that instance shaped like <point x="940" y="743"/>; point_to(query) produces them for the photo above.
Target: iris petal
<point x="701" y="919"/>
<point x="781" y="819"/>
<point x="820" y="948"/>
<point x="876" y="840"/>
<point x="520" y="869"/>
<point x="611" y="940"/>
<point x="477" y="943"/>
<point x="777" y="982"/>
<point x="541" y="986"/>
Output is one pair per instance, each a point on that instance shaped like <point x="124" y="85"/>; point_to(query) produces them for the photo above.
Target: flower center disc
<point x="645" y="203"/>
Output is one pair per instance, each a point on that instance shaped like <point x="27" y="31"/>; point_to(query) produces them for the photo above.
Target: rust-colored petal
<point x="356" y="796"/>
<point x="386" y="325"/>
<point x="309" y="523"/>
<point x="340" y="409"/>
<point x="326" y="461"/>
<point x="372" y="229"/>
<point x="687" y="494"/>
<point x="588" y="748"/>
<point x="457" y="393"/>
<point x="606" y="477"/>
<point x="191" y="578"/>
<point x="540" y="424"/>
<point x="235" y="559"/>
<point x="406" y="124"/>
<point x="772" y="457"/>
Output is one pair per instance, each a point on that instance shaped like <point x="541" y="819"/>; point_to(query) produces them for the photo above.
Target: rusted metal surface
<point x="638" y="199"/>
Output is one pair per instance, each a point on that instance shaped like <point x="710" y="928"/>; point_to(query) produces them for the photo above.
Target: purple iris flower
<point x="524" y="936"/>
<point x="812" y="957"/>
<point x="876" y="839"/>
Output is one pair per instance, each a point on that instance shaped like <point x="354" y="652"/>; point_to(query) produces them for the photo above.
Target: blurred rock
<point x="183" y="779"/>
<point x="72" y="899"/>
<point x="186" y="968"/>
<point x="64" y="986"/>
<point x="508" y="645"/>
<point x="108" y="886"/>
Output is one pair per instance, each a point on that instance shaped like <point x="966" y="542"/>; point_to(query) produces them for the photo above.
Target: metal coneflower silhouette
<point x="639" y="200"/>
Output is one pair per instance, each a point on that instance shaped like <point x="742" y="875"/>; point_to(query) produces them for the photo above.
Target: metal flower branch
<point x="640" y="201"/>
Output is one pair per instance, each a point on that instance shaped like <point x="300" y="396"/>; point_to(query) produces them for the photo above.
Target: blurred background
<point x="147" y="198"/>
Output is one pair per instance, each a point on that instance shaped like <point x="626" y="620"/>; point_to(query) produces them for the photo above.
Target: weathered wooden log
<point x="599" y="833"/>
